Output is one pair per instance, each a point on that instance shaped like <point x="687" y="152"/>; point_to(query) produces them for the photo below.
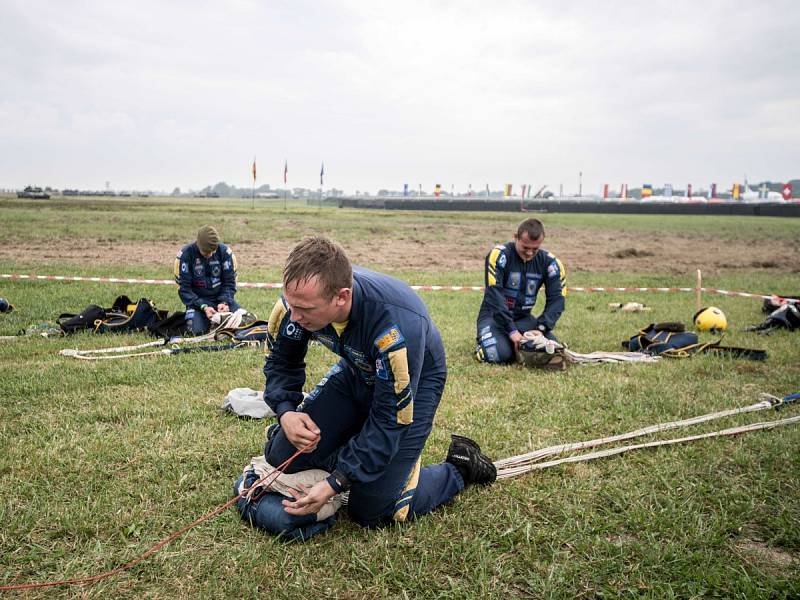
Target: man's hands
<point x="516" y="338"/>
<point x="304" y="434"/>
<point x="312" y="501"/>
<point x="210" y="311"/>
<point x="300" y="430"/>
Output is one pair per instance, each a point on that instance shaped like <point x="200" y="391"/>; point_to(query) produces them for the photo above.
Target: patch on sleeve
<point x="389" y="339"/>
<point x="553" y="270"/>
<point x="501" y="260"/>
<point x="381" y="368"/>
<point x="292" y="330"/>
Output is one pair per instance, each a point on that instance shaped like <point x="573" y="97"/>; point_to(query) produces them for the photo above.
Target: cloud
<point x="156" y="95"/>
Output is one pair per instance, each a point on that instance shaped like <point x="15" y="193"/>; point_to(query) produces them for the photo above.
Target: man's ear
<point x="342" y="296"/>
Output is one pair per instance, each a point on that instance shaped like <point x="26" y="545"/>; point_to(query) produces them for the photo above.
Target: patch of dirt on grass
<point x="768" y="558"/>
<point x="454" y="247"/>
<point x="622" y="539"/>
<point x="630" y="253"/>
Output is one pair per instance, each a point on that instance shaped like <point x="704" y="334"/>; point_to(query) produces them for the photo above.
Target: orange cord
<point x="155" y="547"/>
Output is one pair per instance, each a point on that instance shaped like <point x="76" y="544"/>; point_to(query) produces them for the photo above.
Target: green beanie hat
<point x="207" y="239"/>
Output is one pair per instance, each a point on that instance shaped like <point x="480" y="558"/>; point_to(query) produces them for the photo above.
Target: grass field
<point x="98" y="461"/>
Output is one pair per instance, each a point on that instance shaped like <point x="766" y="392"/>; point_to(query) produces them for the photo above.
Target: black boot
<point x="474" y="466"/>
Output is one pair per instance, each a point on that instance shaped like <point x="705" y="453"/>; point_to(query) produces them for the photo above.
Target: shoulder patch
<point x="389" y="339"/>
<point x="553" y="270"/>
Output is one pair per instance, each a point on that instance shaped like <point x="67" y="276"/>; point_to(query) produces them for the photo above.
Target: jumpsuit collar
<point x="358" y="301"/>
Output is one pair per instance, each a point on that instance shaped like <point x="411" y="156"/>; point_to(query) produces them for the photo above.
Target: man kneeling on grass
<point x="366" y="422"/>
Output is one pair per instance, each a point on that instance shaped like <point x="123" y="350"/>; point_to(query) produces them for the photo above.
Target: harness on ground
<point x="124" y="315"/>
<point x="671" y="340"/>
<point x="786" y="316"/>
<point x="226" y="328"/>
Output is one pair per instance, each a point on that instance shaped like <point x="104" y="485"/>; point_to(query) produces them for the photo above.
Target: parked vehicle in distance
<point x="33" y="192"/>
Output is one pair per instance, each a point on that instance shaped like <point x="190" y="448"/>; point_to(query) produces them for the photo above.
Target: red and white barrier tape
<point x="422" y="288"/>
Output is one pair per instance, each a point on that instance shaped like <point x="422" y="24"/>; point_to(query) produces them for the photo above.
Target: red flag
<point x="285" y="171"/>
<point x="605" y="190"/>
<point x="787" y="191"/>
<point x="688" y="190"/>
<point x="254" y="169"/>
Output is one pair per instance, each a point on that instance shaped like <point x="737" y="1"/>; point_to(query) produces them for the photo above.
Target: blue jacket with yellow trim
<point x="390" y="342"/>
<point x="202" y="279"/>
<point x="512" y="285"/>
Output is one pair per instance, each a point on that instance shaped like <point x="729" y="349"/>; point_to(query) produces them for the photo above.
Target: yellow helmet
<point x="710" y="319"/>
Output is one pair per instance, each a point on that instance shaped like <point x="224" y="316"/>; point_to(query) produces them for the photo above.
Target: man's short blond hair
<point x="319" y="257"/>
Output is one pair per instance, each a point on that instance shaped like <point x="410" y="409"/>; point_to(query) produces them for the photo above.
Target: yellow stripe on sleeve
<point x="563" y="273"/>
<point x="275" y="318"/>
<point x="491" y="277"/>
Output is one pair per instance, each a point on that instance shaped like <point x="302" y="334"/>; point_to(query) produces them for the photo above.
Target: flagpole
<point x="253" y="193"/>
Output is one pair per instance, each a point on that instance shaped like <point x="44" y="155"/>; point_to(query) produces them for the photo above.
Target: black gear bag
<point x="123" y="316"/>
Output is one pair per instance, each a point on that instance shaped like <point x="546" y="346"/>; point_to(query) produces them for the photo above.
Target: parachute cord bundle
<point x="223" y="326"/>
<point x="525" y="463"/>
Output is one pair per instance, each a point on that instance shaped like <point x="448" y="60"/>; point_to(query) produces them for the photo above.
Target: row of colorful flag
<point x="286" y="172"/>
<point x="647" y="189"/>
<point x="737" y="191"/>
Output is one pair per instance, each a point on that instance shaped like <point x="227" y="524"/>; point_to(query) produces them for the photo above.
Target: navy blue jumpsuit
<point x="374" y="408"/>
<point x="512" y="285"/>
<point x="205" y="281"/>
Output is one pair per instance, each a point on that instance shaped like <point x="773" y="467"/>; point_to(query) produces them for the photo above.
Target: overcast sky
<point x="154" y="94"/>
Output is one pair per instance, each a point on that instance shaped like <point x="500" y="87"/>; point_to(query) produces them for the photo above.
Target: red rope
<point x="155" y="547"/>
<point x="424" y="288"/>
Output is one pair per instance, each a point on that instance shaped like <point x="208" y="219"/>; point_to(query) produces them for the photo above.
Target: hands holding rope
<point x="300" y="430"/>
<point x="304" y="435"/>
<point x="310" y="500"/>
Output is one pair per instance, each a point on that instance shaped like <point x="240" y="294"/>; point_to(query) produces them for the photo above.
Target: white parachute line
<point x="174" y="342"/>
<point x="522" y="469"/>
<point x="538" y="455"/>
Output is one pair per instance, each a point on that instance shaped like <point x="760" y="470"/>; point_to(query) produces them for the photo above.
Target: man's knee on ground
<point x="267" y="513"/>
<point x="489" y="355"/>
<point x="369" y="521"/>
<point x="490" y="348"/>
<point x="371" y="507"/>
